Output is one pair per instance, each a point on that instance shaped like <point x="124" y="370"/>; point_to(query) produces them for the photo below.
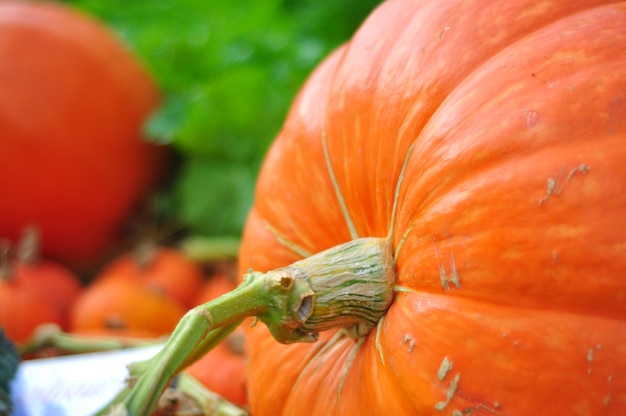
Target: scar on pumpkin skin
<point x="445" y="280"/>
<point x="408" y="338"/>
<point x="607" y="398"/>
<point x="555" y="185"/>
<point x="444" y="368"/>
<point x="450" y="393"/>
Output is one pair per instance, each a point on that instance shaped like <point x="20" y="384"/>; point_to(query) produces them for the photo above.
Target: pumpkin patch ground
<point x="437" y="228"/>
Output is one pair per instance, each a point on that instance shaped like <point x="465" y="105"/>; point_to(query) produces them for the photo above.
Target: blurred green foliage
<point x="229" y="72"/>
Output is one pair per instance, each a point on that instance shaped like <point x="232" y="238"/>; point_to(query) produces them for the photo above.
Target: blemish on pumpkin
<point x="579" y="169"/>
<point x="408" y="339"/>
<point x="590" y="355"/>
<point x="444" y="368"/>
<point x="496" y="405"/>
<point x="443" y="32"/>
<point x="532" y="117"/>
<point x="554" y="187"/>
<point x="479" y="407"/>
<point x="444" y="279"/>
<point x="454" y="279"/>
<point x="455" y="275"/>
<point x="551" y="187"/>
<point x="607" y="398"/>
<point x="450" y="393"/>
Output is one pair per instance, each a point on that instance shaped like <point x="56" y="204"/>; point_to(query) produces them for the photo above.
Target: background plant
<point x="229" y="72"/>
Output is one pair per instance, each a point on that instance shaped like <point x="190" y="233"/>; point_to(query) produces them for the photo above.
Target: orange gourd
<point x="73" y="102"/>
<point x="24" y="305"/>
<point x="162" y="269"/>
<point x="509" y="233"/>
<point x="121" y="306"/>
<point x="23" y="309"/>
<point x="56" y="282"/>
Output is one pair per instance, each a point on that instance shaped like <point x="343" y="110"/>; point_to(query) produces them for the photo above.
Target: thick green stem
<point x="349" y="286"/>
<point x="213" y="338"/>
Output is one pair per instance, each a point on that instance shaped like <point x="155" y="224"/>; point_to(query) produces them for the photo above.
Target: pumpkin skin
<point x="164" y="270"/>
<point x="56" y="283"/>
<point x="126" y="305"/>
<point x="512" y="203"/>
<point x="23" y="308"/>
<point x="72" y="160"/>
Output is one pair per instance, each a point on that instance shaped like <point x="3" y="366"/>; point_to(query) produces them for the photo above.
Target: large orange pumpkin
<point x="510" y="233"/>
<point x="73" y="101"/>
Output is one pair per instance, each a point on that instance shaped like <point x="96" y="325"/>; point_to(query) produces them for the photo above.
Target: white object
<point x="76" y="385"/>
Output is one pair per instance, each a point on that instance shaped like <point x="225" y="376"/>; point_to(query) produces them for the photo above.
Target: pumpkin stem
<point x="347" y="287"/>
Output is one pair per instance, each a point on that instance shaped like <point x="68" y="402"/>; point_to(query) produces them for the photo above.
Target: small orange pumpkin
<point x="163" y="269"/>
<point x="55" y="281"/>
<point x="23" y="305"/>
<point x="127" y="305"/>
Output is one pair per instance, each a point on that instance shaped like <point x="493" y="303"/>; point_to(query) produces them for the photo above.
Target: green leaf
<point x="228" y="72"/>
<point x="215" y="197"/>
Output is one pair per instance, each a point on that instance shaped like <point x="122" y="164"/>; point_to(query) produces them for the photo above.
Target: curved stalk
<point x="349" y="286"/>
